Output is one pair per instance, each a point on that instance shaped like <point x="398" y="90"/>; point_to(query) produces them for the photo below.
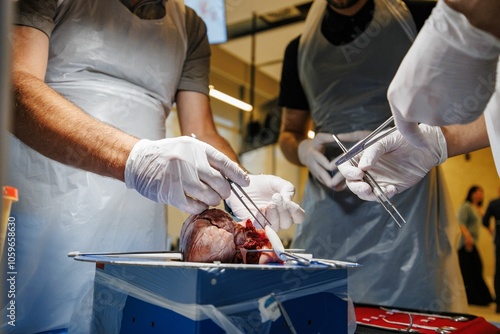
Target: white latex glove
<point x="312" y="154"/>
<point x="395" y="164"/>
<point x="183" y="172"/>
<point x="447" y="76"/>
<point x="273" y="196"/>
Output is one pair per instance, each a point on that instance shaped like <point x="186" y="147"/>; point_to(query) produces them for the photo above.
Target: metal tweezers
<point x="377" y="191"/>
<point x="369" y="140"/>
<point x="278" y="249"/>
<point x="237" y="189"/>
<point x="235" y="186"/>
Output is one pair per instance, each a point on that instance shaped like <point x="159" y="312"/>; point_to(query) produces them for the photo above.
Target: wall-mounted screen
<point x="213" y="13"/>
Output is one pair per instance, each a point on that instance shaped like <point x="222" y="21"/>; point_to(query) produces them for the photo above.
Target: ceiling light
<point x="229" y="99"/>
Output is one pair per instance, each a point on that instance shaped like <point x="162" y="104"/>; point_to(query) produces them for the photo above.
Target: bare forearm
<point x="466" y="138"/>
<point x="289" y="146"/>
<point x="221" y="144"/>
<point x="195" y="117"/>
<point x="56" y="128"/>
<point x="294" y="126"/>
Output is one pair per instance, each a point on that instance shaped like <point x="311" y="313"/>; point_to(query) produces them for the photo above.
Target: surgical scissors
<point x="369" y="140"/>
<point x="377" y="191"/>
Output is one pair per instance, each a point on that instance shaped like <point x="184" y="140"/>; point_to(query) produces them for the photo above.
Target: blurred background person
<point x="336" y="75"/>
<point x="471" y="265"/>
<point x="493" y="211"/>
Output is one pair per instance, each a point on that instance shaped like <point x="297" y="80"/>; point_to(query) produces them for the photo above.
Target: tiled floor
<point x="488" y="312"/>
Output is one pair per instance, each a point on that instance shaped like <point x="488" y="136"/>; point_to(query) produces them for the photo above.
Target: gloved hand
<point x="452" y="66"/>
<point x="273" y="196"/>
<point x="395" y="164"/>
<point x="183" y="172"/>
<point x="312" y="154"/>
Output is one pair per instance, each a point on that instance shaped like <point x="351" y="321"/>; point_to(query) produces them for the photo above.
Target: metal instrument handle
<point x="377" y="191"/>
<point x="366" y="142"/>
<point x="235" y="186"/>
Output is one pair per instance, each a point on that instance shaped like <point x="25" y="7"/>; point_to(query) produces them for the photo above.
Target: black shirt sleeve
<point x="291" y="93"/>
<point x="487" y="216"/>
<point x="493" y="210"/>
<point x="420" y="10"/>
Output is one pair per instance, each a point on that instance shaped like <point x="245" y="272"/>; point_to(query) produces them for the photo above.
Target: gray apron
<point x="121" y="70"/>
<point x="414" y="266"/>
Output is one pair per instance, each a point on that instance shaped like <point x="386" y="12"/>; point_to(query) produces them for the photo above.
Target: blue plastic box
<point x="152" y="296"/>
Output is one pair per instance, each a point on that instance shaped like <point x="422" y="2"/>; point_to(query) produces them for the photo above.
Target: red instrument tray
<point x="374" y="319"/>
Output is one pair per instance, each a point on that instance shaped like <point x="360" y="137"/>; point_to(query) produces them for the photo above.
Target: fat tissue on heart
<point x="213" y="235"/>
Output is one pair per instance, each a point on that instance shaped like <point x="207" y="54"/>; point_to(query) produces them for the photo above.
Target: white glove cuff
<point x="454" y="29"/>
<point x="442" y="146"/>
<point x="303" y="146"/>
<point x="130" y="176"/>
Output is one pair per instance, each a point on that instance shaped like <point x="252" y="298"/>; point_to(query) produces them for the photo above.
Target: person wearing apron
<point x="65" y="209"/>
<point x="123" y="66"/>
<point x="345" y="84"/>
<point x="453" y="65"/>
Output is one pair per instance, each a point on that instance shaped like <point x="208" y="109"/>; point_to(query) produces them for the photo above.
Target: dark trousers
<point x="472" y="273"/>
<point x="497" y="268"/>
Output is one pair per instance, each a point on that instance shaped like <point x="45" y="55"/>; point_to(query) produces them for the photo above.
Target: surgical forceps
<point x="369" y="140"/>
<point x="377" y="191"/>
<point x="235" y="187"/>
<point x="278" y="247"/>
<point x="273" y="237"/>
<point x="440" y="330"/>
